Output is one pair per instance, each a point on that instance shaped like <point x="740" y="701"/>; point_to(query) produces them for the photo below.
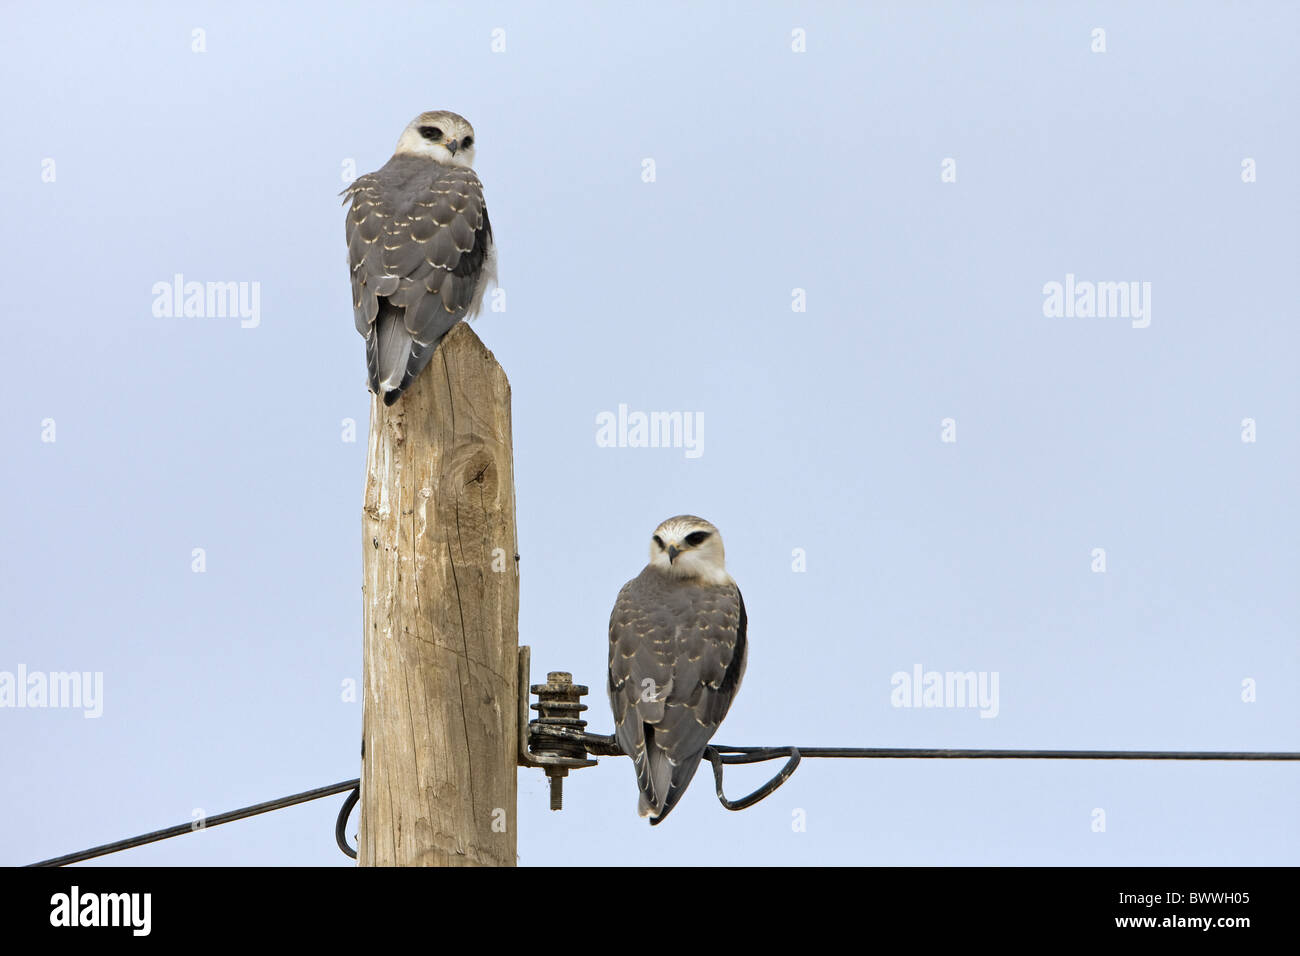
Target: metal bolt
<point x="559" y="702"/>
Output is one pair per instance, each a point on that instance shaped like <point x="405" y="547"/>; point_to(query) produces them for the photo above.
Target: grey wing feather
<point x="421" y="252"/>
<point x="677" y="656"/>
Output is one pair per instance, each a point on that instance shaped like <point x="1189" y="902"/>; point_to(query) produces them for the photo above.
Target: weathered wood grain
<point x="441" y="618"/>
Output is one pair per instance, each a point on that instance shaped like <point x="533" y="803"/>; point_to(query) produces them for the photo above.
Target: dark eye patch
<point x="697" y="538"/>
<point x="467" y="142"/>
<point x="659" y="541"/>
<point x="431" y="132"/>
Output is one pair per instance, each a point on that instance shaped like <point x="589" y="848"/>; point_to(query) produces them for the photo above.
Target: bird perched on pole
<point x="676" y="658"/>
<point x="420" y="247"/>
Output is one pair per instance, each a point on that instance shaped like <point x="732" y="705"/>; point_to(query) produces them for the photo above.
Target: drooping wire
<point x="340" y="825"/>
<point x="191" y="827"/>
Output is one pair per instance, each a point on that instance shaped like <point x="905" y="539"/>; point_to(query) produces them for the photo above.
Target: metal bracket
<point x="559" y="702"/>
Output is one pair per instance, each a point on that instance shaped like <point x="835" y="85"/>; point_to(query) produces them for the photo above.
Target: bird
<point x="677" y="652"/>
<point x="420" y="248"/>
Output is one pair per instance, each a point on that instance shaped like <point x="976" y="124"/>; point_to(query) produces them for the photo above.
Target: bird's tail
<point x="393" y="355"/>
<point x="392" y="352"/>
<point x="664" y="782"/>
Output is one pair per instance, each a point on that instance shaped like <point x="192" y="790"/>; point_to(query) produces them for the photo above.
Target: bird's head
<point x="689" y="547"/>
<point x="439" y="135"/>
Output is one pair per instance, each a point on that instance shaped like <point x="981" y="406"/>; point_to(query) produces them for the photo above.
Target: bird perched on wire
<point x="420" y="247"/>
<point x="676" y="658"/>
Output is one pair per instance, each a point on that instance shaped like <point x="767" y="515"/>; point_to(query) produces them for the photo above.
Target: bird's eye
<point x="659" y="541"/>
<point x="431" y="133"/>
<point x="467" y="142"/>
<point x="697" y="538"/>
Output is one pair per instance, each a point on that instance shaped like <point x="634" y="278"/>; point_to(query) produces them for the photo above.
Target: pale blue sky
<point x="775" y="170"/>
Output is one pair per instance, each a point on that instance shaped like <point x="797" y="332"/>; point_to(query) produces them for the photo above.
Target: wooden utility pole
<point x="441" y="618"/>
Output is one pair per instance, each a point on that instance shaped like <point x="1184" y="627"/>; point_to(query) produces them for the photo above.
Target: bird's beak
<point x="672" y="553"/>
<point x="453" y="145"/>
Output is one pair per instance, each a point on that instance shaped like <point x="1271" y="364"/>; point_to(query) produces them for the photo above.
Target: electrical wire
<point x="757" y="754"/>
<point x="717" y="754"/>
<point x="720" y="754"/>
<point x="191" y="827"/>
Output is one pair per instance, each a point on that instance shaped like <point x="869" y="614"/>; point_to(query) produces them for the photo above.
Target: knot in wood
<point x="479" y="474"/>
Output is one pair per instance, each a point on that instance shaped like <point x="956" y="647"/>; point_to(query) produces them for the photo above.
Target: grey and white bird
<point x="420" y="247"/>
<point x="676" y="658"/>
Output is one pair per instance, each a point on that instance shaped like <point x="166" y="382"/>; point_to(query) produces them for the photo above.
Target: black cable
<point x="183" y="828"/>
<point x="758" y="754"/>
<point x="717" y="754"/>
<point x="340" y="834"/>
<point x="606" y="745"/>
<point x="720" y="754"/>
